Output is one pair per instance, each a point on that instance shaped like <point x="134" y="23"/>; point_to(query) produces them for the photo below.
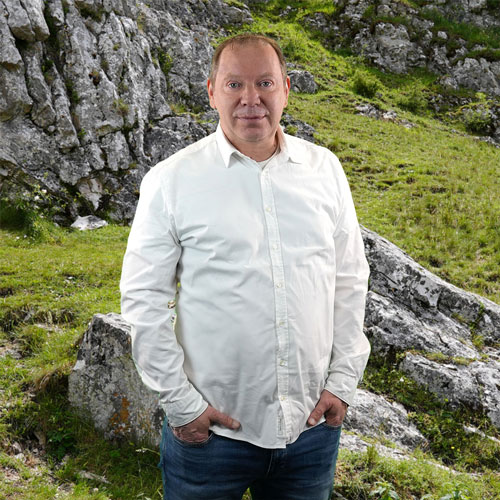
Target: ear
<point x="287" y="90"/>
<point x="211" y="97"/>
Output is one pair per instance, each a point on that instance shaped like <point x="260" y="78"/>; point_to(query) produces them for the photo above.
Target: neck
<point x="258" y="151"/>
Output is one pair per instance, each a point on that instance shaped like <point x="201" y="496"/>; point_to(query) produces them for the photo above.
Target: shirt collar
<point x="227" y="150"/>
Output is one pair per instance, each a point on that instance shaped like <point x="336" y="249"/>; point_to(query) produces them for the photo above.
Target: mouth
<point x="250" y="118"/>
<point x="251" y="115"/>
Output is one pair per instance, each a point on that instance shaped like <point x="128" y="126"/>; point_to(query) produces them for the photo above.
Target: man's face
<point x="249" y="93"/>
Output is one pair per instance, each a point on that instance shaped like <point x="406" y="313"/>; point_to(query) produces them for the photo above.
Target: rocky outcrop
<point x="399" y="37"/>
<point x="448" y="340"/>
<point x="88" y="89"/>
<point x="456" y="333"/>
<point x="373" y="416"/>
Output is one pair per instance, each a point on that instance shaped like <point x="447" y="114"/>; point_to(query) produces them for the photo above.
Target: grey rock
<point x="411" y="309"/>
<point x="91" y="99"/>
<point x="397" y="277"/>
<point x="302" y="81"/>
<point x="34" y="9"/>
<point x="392" y="328"/>
<point x="374" y="112"/>
<point x="389" y="47"/>
<point x="297" y="128"/>
<point x="65" y="130"/>
<point x="116" y="151"/>
<point x="9" y="55"/>
<point x="18" y="20"/>
<point x="105" y="385"/>
<point x="400" y="47"/>
<point x="42" y="113"/>
<point x="92" y="190"/>
<point x="14" y="97"/>
<point x="88" y="222"/>
<point x="355" y="443"/>
<point x="478" y="75"/>
<point x="476" y="386"/>
<point x="374" y="416"/>
<point x="170" y="135"/>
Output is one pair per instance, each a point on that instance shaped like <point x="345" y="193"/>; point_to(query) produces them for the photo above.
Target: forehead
<point x="248" y="59"/>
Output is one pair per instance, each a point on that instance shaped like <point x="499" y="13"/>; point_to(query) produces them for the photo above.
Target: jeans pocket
<point x="188" y="444"/>
<point x="332" y="427"/>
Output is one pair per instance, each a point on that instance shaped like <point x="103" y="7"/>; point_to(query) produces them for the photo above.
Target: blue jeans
<point x="222" y="468"/>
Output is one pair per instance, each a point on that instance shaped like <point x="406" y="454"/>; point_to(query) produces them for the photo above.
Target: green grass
<point x="431" y="189"/>
<point x="358" y="474"/>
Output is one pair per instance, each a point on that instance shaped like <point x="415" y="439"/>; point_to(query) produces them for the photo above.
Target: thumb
<point x="223" y="419"/>
<point x="317" y="413"/>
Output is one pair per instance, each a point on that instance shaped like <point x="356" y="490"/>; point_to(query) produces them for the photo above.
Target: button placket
<point x="281" y="326"/>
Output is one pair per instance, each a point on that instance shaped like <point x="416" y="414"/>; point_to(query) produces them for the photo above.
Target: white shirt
<point x="273" y="280"/>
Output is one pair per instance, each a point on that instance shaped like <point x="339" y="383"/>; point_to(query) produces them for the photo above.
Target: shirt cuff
<point x="185" y="410"/>
<point x="342" y="386"/>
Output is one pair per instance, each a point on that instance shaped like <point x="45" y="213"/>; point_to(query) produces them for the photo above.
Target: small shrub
<point x="121" y="106"/>
<point x="477" y="120"/>
<point x="72" y="93"/>
<point x="165" y="61"/>
<point x="456" y="494"/>
<point x="26" y="211"/>
<point x="365" y="84"/>
<point x="384" y="491"/>
<point x="413" y="100"/>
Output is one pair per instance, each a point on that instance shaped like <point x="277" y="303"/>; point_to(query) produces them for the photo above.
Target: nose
<point x="250" y="96"/>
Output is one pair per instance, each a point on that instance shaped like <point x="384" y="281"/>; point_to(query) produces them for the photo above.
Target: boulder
<point x="476" y="385"/>
<point x="372" y="415"/>
<point x="88" y="222"/>
<point x="106" y="387"/>
<point x="302" y="81"/>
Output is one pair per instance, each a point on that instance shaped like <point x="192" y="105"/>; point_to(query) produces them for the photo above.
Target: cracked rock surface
<point x="88" y="88"/>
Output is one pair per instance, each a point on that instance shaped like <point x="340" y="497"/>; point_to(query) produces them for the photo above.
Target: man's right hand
<point x="197" y="430"/>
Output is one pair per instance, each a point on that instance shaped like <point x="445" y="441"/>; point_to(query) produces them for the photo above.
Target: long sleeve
<point x="148" y="284"/>
<point x="351" y="348"/>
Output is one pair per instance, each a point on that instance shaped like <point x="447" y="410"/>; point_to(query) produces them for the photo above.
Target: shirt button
<point x="283" y="398"/>
<point x="268" y="209"/>
<point x="282" y="362"/>
<point x="275" y="247"/>
<point x="279" y="285"/>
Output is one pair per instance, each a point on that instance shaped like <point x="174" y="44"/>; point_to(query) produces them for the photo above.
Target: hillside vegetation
<point x="423" y="180"/>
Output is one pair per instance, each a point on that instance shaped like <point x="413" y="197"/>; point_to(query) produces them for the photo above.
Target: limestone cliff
<point x="92" y="91"/>
<point x="88" y="88"/>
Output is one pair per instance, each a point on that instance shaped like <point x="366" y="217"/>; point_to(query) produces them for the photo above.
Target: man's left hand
<point x="329" y="405"/>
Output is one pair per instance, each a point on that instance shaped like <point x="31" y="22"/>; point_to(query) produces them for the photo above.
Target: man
<point x="258" y="227"/>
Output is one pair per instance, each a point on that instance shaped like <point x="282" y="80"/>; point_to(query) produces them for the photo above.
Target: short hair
<point x="244" y="39"/>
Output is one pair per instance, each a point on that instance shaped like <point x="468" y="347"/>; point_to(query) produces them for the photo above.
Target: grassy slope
<point x="428" y="189"/>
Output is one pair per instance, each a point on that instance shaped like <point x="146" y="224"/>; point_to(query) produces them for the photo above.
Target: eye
<point x="233" y="85"/>
<point x="266" y="83"/>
